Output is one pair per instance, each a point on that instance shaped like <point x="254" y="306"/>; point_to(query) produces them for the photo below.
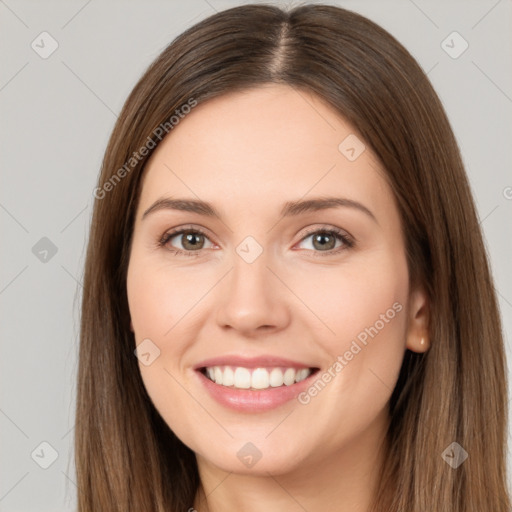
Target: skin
<point x="248" y="153"/>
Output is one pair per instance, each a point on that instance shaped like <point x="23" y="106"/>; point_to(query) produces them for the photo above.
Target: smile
<point x="255" y="378"/>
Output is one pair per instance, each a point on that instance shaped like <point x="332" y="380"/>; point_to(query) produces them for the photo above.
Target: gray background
<point x="56" y="116"/>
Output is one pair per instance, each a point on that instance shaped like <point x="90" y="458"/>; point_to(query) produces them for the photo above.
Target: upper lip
<point x="251" y="362"/>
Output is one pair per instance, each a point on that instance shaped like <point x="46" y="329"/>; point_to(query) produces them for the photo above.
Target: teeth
<point x="242" y="378"/>
<point x="257" y="378"/>
<point x="289" y="376"/>
<point x="276" y="378"/>
<point x="302" y="374"/>
<point x="228" y="377"/>
<point x="260" y="379"/>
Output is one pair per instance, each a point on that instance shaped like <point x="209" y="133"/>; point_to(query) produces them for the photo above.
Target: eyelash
<point x="348" y="241"/>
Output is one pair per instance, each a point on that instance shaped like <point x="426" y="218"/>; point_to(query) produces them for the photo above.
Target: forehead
<point x="264" y="145"/>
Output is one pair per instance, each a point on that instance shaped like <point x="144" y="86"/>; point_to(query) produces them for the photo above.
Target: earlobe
<point x="419" y="346"/>
<point x="418" y="339"/>
<point x="418" y="342"/>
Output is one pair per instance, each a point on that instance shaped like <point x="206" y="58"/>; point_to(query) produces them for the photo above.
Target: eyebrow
<point x="290" y="208"/>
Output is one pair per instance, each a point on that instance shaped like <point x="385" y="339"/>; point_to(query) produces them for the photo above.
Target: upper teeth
<point x="257" y="378"/>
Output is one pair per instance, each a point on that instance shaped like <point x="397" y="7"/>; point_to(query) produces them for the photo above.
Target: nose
<point x="253" y="298"/>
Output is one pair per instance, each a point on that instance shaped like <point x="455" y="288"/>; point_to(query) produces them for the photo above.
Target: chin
<point x="245" y="458"/>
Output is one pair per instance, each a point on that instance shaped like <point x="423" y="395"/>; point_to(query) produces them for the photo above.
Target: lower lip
<point x="253" y="400"/>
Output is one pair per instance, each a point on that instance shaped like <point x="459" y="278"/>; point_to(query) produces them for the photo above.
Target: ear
<point x="418" y="322"/>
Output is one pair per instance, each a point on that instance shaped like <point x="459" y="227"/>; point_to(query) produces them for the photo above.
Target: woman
<point x="287" y="301"/>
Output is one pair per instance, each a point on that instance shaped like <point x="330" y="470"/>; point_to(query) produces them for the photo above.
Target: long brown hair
<point x="127" y="458"/>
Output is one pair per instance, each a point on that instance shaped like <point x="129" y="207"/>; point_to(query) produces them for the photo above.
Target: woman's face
<point x="294" y="299"/>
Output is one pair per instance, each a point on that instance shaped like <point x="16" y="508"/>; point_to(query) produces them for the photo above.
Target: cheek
<point x="157" y="306"/>
<point x="160" y="298"/>
<point x="365" y="308"/>
<point x="363" y="313"/>
<point x="353" y="297"/>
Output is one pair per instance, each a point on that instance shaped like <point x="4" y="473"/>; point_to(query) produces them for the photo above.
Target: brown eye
<point x="191" y="241"/>
<point x="325" y="241"/>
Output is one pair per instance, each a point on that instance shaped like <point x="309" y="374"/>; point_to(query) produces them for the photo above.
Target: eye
<point x="192" y="241"/>
<point x="323" y="241"/>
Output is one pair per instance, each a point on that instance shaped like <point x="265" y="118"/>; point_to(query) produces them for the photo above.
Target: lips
<point x="254" y="384"/>
<point x="252" y="362"/>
